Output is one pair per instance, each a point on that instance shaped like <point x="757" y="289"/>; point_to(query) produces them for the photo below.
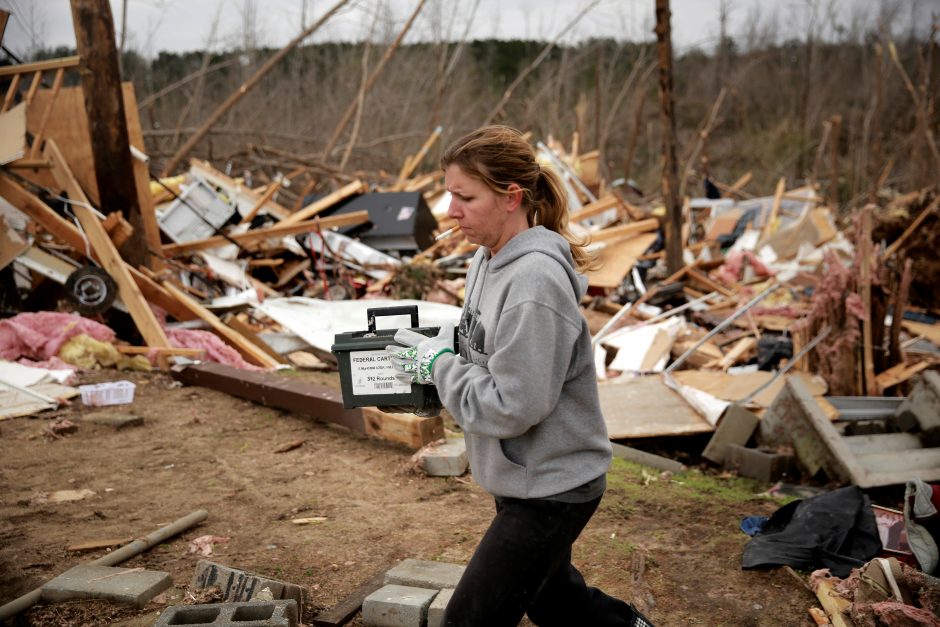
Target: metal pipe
<point x="724" y="324"/>
<point x="793" y="360"/>
<point x="126" y="552"/>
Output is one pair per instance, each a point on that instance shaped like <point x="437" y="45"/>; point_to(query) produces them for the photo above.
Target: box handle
<point x="372" y="314"/>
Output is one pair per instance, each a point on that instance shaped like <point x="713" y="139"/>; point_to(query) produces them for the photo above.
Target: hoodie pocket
<point x="497" y="473"/>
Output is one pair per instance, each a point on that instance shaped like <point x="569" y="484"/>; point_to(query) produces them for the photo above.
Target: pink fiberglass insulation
<point x="40" y="335"/>
<point x="216" y="349"/>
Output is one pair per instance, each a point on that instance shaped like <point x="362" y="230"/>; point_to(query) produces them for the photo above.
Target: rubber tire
<point x="90" y="290"/>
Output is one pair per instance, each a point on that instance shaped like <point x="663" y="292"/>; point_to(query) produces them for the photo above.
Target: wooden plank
<point x="624" y="231"/>
<point x="38" y="137"/>
<point x="900" y="373"/>
<point x="713" y="286"/>
<point x="130" y="294"/>
<point x="288" y="393"/>
<point x="350" y="189"/>
<point x="923" y="329"/>
<point x="913" y="226"/>
<point x="148" y="216"/>
<point x="409" y="429"/>
<point x="281" y="229"/>
<point x="864" y="280"/>
<point x="597" y="207"/>
<point x="343" y="612"/>
<point x="646" y="407"/>
<point x="771" y="225"/>
<point x="40" y="66"/>
<point x="248" y="350"/>
<point x="267" y="196"/>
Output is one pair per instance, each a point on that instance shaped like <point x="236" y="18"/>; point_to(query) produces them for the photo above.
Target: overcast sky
<point x="182" y="25"/>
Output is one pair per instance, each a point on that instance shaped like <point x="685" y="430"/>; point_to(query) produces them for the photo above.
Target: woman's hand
<point x="414" y="360"/>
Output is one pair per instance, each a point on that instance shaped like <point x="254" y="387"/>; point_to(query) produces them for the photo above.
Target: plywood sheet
<point x="735" y="387"/>
<point x="14" y="403"/>
<point x="617" y="259"/>
<point x="644" y="407"/>
<point x="68" y="125"/>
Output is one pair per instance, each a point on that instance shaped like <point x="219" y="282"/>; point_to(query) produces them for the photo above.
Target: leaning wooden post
<point x="104" y="104"/>
<point x="671" y="198"/>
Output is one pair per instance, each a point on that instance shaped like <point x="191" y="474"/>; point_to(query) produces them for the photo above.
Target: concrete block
<point x="249" y="614"/>
<point x="765" y="464"/>
<point x="118" y="421"/>
<point x="424" y="574"/>
<point x="444" y="460"/>
<point x="397" y="606"/>
<point x="123" y="585"/>
<point x="238" y="585"/>
<point x="437" y="607"/>
<point x="736" y="426"/>
<point x="921" y="410"/>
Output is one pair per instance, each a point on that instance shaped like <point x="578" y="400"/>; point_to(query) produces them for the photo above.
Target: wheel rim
<point x="91" y="290"/>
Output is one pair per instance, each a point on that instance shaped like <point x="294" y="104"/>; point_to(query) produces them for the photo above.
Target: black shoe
<point x="637" y="619"/>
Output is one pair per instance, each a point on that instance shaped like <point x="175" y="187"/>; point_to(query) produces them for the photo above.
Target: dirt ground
<point x="671" y="545"/>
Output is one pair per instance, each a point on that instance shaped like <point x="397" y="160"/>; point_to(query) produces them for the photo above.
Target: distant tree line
<point x="807" y="110"/>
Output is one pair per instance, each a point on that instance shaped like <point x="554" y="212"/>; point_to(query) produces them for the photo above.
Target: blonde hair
<point x="500" y="156"/>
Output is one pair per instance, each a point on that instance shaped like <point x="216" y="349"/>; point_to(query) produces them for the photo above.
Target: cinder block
<point x="444" y="460"/>
<point x="921" y="410"/>
<point x="123" y="585"/>
<point x="250" y="614"/>
<point x="424" y="574"/>
<point x="765" y="464"/>
<point x="238" y="585"/>
<point x="397" y="606"/>
<point x="736" y="426"/>
<point x="437" y="607"/>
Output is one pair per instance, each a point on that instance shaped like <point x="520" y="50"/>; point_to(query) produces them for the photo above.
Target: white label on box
<point x="372" y="373"/>
<point x="405" y="213"/>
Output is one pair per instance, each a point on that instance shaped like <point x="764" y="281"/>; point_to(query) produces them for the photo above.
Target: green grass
<point x="636" y="482"/>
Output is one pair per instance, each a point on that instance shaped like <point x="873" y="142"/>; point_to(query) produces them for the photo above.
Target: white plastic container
<point x="111" y="393"/>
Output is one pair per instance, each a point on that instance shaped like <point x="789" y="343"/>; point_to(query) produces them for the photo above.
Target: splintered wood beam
<point x="318" y="206"/>
<point x="248" y="350"/>
<point x="281" y="229"/>
<point x="592" y="209"/>
<point x="276" y="391"/>
<point x="130" y="294"/>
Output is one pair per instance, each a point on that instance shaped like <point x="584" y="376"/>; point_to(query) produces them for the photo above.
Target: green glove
<point x="414" y="360"/>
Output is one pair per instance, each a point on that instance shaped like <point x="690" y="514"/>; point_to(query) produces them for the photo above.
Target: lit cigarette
<point x="447" y="233"/>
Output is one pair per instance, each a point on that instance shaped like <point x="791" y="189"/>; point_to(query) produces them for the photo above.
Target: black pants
<point x="523" y="566"/>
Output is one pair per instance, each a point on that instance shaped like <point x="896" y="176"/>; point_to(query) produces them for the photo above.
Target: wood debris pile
<point x="273" y="262"/>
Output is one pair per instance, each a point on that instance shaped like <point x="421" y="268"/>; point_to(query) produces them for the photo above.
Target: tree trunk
<point x="104" y="103"/>
<point x="670" y="175"/>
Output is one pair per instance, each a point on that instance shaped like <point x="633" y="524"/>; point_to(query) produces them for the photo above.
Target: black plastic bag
<point x="835" y="530"/>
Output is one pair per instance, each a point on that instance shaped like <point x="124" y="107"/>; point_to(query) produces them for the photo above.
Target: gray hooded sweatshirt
<point x="523" y="387"/>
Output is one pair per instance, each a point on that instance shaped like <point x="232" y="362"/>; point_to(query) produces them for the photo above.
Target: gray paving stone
<point x="437" y="607"/>
<point x="397" y="606"/>
<point x="123" y="585"/>
<point x="425" y="574"/>
<point x="445" y="460"/>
